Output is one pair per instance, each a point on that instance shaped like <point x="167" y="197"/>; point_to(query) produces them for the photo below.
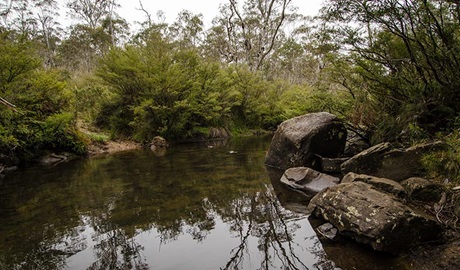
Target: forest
<point x="390" y="69"/>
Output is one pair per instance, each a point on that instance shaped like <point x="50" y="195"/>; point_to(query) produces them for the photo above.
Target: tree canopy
<point x="388" y="68"/>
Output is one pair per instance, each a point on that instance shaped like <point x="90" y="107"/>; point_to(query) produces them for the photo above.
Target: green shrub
<point x="445" y="164"/>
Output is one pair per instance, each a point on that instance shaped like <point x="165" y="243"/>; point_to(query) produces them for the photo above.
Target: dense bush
<point x="40" y="122"/>
<point x="445" y="164"/>
<point x="161" y="90"/>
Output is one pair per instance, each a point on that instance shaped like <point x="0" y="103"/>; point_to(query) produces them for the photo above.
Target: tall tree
<point x="100" y="30"/>
<point x="251" y="32"/>
<point x="188" y="29"/>
<point x="49" y="28"/>
<point x="92" y="12"/>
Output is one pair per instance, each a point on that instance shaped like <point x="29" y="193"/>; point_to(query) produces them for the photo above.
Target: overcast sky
<point x="209" y="8"/>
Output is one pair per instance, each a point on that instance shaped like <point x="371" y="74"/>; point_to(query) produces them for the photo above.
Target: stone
<point x="420" y="189"/>
<point x="219" y="133"/>
<point x="54" y="159"/>
<point x="307" y="180"/>
<point x="332" y="165"/>
<point x="367" y="161"/>
<point x="355" y="144"/>
<point x="383" y="161"/>
<point x="382" y="184"/>
<point x="327" y="230"/>
<point x="298" y="141"/>
<point x="369" y="216"/>
<point x="158" y="142"/>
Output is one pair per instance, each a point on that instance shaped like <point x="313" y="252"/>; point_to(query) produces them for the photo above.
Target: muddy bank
<point x="111" y="147"/>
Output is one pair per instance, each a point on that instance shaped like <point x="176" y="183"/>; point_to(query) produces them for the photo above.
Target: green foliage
<point x="90" y="96"/>
<point x="406" y="62"/>
<point x="445" y="164"/>
<point x="161" y="90"/>
<point x="16" y="60"/>
<point x="40" y="123"/>
<point x="175" y="93"/>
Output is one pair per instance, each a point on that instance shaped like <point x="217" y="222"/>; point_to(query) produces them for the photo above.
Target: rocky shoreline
<point x="375" y="196"/>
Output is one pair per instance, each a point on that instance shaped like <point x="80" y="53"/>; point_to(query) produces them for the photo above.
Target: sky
<point x="209" y="8"/>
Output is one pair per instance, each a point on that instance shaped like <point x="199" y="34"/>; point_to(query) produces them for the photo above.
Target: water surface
<point x="198" y="206"/>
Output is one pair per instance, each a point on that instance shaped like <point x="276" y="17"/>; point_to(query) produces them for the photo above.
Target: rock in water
<point x="158" y="142"/>
<point x="297" y="141"/>
<point x="308" y="180"/>
<point x="360" y="211"/>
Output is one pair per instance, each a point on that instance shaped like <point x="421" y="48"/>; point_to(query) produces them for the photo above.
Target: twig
<point x="8" y="104"/>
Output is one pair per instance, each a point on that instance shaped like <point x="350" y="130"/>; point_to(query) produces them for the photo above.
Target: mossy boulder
<point x="369" y="216"/>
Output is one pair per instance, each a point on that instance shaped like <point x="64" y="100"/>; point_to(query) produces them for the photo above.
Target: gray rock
<point x="332" y="165"/>
<point x="396" y="164"/>
<point x="327" y="230"/>
<point x="423" y="190"/>
<point x="368" y="161"/>
<point x="382" y="184"/>
<point x="355" y="144"/>
<point x="297" y="141"/>
<point x="369" y="216"/>
<point x="307" y="180"/>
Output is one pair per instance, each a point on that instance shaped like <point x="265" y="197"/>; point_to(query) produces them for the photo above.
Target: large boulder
<point x="383" y="161"/>
<point x="362" y="212"/>
<point x="300" y="140"/>
<point x="382" y="184"/>
<point x="307" y="180"/>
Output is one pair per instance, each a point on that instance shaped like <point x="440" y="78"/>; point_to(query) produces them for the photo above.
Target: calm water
<point x="195" y="207"/>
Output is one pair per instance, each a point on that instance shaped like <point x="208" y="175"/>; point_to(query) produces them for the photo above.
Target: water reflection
<point x="196" y="207"/>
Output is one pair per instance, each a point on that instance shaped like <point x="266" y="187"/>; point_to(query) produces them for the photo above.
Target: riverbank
<point x="111" y="147"/>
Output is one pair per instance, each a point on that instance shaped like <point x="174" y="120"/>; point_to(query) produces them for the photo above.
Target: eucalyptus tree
<point x="33" y="20"/>
<point x="249" y="33"/>
<point x="92" y="12"/>
<point x="99" y="30"/>
<point x="188" y="29"/>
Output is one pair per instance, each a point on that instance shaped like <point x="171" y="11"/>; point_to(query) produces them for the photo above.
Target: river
<point x="196" y="206"/>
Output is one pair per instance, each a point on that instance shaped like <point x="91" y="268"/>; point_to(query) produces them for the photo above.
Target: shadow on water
<point x="196" y="206"/>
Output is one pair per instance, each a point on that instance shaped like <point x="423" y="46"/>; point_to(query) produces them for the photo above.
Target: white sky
<point x="209" y="8"/>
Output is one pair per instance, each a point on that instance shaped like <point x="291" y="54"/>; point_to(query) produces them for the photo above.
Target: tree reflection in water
<point x="116" y="250"/>
<point x="263" y="217"/>
<point x="136" y="210"/>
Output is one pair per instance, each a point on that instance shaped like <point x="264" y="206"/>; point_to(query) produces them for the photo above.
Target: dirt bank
<point x="110" y="147"/>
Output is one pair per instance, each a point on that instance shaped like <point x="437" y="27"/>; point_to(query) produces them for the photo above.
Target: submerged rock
<point x="369" y="216"/>
<point x="54" y="159"/>
<point x="297" y="141"/>
<point x="307" y="180"/>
